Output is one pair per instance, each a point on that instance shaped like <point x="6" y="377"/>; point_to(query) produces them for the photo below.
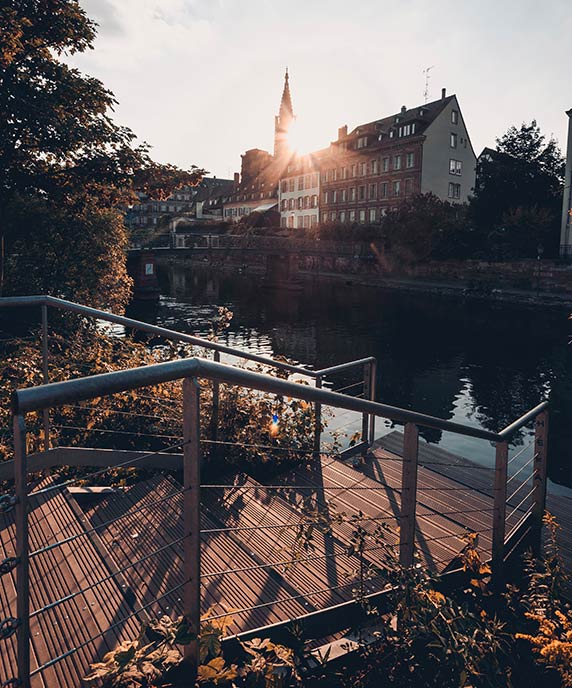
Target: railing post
<point x="318" y="422"/>
<point x="215" y="410"/>
<point x="408" y="494"/>
<point x="45" y="412"/>
<point x="23" y="567"/>
<point x="192" y="519"/>
<point x="499" y="512"/>
<point x="364" y="415"/>
<point x="372" y="391"/>
<point x="540" y="470"/>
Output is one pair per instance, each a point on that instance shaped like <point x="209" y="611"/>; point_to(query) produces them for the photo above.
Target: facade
<point x="299" y="193"/>
<point x="374" y="167"/>
<point x="205" y="201"/>
<point x="566" y="231"/>
<point x="256" y="188"/>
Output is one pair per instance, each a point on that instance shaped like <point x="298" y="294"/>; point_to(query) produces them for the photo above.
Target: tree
<point x="58" y="141"/>
<point x="424" y="227"/>
<point x="522" y="178"/>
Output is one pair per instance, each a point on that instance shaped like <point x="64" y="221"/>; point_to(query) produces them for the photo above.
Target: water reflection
<point x="477" y="363"/>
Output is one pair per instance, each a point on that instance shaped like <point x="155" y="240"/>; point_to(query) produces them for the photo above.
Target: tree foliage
<point x="519" y="194"/>
<point x="58" y="140"/>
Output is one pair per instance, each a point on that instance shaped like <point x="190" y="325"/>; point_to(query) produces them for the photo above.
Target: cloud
<point x="106" y="16"/>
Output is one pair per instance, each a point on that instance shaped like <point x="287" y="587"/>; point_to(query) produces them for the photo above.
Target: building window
<point x="314" y="201"/>
<point x="408" y="187"/>
<point x="454" y="117"/>
<point x="352" y="215"/>
<point x="283" y="204"/>
<point x="282" y="222"/>
<point x="284" y="186"/>
<point x="456" y="167"/>
<point x="397" y="162"/>
<point x="326" y="197"/>
<point x="300" y="222"/>
<point x="386" y="164"/>
<point x="384" y="190"/>
<point x="324" y="217"/>
<point x="396" y="188"/>
<point x="372" y="190"/>
<point x="307" y="181"/>
<point x="291" y="185"/>
<point x="314" y="220"/>
<point x="334" y="196"/>
<point x="374" y="167"/>
<point x="342" y="216"/>
<point x="362" y="216"/>
<point x="345" y="174"/>
<point x="314" y="180"/>
<point x="362" y="169"/>
<point x="361" y="193"/>
<point x="372" y="214"/>
<point x="454" y="190"/>
<point x="362" y="142"/>
<point x="306" y="221"/>
<point x="333" y="215"/>
<point x="344" y="195"/>
<point x="300" y="202"/>
<point x="410" y="160"/>
<point x="453" y="140"/>
<point x="353" y="193"/>
<point x="291" y="204"/>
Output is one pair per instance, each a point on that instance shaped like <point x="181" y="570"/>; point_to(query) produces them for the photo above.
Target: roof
<point x="265" y="207"/>
<point x="424" y="115"/>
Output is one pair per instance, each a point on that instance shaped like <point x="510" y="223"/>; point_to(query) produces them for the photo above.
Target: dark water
<point x="483" y="364"/>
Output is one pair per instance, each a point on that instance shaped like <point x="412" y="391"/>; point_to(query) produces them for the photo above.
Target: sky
<point x="201" y="80"/>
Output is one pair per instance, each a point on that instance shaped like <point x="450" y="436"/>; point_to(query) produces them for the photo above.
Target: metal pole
<point x="365" y="416"/>
<point x="372" y="391"/>
<point x="499" y="513"/>
<point x="192" y="520"/>
<point x="540" y="470"/>
<point x="408" y="494"/>
<point x="318" y="422"/>
<point x="215" y="410"/>
<point x="23" y="567"/>
<point x="46" y="412"/>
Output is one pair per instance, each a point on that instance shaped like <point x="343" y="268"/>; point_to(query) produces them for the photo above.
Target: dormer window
<point x="391" y="133"/>
<point x="421" y="112"/>
<point x="362" y="142"/>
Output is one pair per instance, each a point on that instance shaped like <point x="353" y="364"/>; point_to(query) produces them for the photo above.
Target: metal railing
<point x="190" y="371"/>
<point x="368" y="365"/>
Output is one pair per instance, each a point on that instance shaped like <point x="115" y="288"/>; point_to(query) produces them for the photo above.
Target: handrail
<point x="509" y="431"/>
<point x="60" y="393"/>
<point x="11" y="301"/>
<point x="63" y="304"/>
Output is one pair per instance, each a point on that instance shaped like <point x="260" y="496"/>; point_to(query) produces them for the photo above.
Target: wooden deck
<point x="246" y="552"/>
<point x="55" y="574"/>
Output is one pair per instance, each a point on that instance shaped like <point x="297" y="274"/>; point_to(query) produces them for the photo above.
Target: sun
<point x="300" y="140"/>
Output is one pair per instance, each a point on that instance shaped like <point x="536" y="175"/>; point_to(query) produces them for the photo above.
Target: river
<point x="479" y="363"/>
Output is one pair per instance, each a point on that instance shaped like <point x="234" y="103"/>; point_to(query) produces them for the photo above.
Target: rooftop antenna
<point x="427" y="77"/>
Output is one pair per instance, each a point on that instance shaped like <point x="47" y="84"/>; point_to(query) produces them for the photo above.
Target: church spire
<point x="286" y="102"/>
<point x="283" y="120"/>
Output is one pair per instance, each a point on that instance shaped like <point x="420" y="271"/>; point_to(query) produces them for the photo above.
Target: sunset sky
<point x="200" y="80"/>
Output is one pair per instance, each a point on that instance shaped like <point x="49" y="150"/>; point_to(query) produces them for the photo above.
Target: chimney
<point x="342" y="132"/>
<point x="403" y="109"/>
<point x="236" y="178"/>
<point x="443" y="93"/>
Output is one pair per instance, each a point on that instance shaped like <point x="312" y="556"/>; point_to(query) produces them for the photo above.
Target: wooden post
<point x="499" y="513"/>
<point x="540" y="469"/>
<point x="408" y="494"/>
<point x="317" y="422"/>
<point x="192" y="519"/>
<point x="22" y="551"/>
<point x="215" y="410"/>
<point x="45" y="412"/>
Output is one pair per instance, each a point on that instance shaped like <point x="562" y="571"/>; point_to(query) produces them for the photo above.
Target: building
<point x="371" y="169"/>
<point x="256" y="188"/>
<point x="299" y="192"/>
<point x="203" y="201"/>
<point x="566" y="231"/>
